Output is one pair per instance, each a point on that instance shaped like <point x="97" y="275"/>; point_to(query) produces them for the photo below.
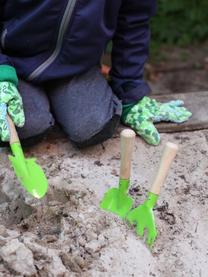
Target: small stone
<point x="50" y="238"/>
<point x="90" y="235"/>
<point x="98" y="163"/>
<point x="80" y="261"/>
<point x="70" y="263"/>
<point x="114" y="173"/>
<point x="82" y="241"/>
<point x="102" y="240"/>
<point x="18" y="257"/>
<point x="93" y="246"/>
<point x="3" y="241"/>
<point x="3" y="231"/>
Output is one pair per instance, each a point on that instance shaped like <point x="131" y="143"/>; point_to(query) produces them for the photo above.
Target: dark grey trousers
<point x="84" y="107"/>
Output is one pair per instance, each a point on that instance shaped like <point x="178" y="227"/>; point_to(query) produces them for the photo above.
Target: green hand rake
<point x="117" y="200"/>
<point x="143" y="216"/>
<point x="29" y="173"/>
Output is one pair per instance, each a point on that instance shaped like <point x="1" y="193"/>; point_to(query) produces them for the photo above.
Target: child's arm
<point x="130" y="49"/>
<point x="10" y="99"/>
<point x="3" y="58"/>
<point x="130" y="52"/>
<point x="7" y="71"/>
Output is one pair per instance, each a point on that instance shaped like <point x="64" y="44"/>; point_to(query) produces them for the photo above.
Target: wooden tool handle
<point x="127" y="145"/>
<point x="169" y="153"/>
<point x="13" y="133"/>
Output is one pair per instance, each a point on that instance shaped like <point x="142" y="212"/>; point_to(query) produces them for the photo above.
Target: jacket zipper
<point x="3" y="37"/>
<point x="64" y="23"/>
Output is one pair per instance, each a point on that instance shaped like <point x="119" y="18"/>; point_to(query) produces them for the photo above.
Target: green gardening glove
<point x="147" y="111"/>
<point x="11" y="103"/>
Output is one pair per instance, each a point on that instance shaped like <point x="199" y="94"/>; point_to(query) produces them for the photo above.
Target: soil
<point x="66" y="234"/>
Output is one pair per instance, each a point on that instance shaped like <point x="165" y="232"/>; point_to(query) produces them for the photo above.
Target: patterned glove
<point x="147" y="111"/>
<point x="11" y="102"/>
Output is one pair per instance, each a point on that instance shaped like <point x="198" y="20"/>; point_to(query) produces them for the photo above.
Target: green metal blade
<point x="143" y="218"/>
<point x="29" y="173"/>
<point x="116" y="200"/>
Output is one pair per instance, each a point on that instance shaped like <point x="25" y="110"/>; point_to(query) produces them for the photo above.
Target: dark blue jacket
<point x="52" y="39"/>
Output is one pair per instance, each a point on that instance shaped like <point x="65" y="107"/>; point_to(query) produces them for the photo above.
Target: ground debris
<point x="18" y="257"/>
<point x="67" y="234"/>
<point x="165" y="214"/>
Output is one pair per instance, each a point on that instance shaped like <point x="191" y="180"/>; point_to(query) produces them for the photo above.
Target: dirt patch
<point x="179" y="70"/>
<point x="66" y="234"/>
<point x="66" y="222"/>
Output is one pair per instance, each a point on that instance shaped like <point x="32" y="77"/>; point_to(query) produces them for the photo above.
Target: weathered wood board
<point x="196" y="102"/>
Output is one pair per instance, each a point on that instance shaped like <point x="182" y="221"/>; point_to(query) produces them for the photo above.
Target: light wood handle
<point x="169" y="153"/>
<point x="127" y="146"/>
<point x="13" y="133"/>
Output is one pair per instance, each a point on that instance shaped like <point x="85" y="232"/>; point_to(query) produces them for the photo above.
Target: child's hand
<point x="11" y="103"/>
<point x="142" y="115"/>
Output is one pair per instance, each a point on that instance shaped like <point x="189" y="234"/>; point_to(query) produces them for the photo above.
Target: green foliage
<point x="180" y="22"/>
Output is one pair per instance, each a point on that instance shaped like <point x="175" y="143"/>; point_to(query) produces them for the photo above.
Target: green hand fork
<point x="116" y="200"/>
<point x="29" y="173"/>
<point x="143" y="215"/>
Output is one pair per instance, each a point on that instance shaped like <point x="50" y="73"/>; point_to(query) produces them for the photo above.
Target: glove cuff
<point x="145" y="101"/>
<point x="125" y="110"/>
<point x="8" y="74"/>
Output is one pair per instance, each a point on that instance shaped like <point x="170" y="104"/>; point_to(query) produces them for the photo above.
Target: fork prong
<point x="151" y="238"/>
<point x="140" y="229"/>
<point x="132" y="216"/>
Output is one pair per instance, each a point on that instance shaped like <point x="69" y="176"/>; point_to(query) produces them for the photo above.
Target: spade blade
<point x="28" y="172"/>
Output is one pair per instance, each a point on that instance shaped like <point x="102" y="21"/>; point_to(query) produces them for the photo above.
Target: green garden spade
<point x="143" y="216"/>
<point x="29" y="173"/>
<point x="117" y="200"/>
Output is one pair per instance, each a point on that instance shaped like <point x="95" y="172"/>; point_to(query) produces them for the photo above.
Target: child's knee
<point x="84" y="138"/>
<point x="36" y="126"/>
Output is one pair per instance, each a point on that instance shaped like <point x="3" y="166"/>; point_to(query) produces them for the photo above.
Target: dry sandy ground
<point x="66" y="234"/>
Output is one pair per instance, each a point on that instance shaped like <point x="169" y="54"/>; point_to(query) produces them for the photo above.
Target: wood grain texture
<point x="127" y="146"/>
<point x="13" y="133"/>
<point x="169" y="152"/>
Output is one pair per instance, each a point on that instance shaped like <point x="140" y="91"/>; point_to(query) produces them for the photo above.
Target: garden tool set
<point x="29" y="173"/>
<point x="117" y="201"/>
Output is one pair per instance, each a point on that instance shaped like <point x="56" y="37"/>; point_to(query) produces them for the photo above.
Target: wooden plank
<point x="196" y="102"/>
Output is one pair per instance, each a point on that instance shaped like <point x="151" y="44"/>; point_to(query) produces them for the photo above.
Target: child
<point x="49" y="64"/>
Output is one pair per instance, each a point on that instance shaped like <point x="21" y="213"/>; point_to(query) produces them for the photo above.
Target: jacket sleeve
<point x="130" y="49"/>
<point x="7" y="71"/>
<point x="3" y="58"/>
